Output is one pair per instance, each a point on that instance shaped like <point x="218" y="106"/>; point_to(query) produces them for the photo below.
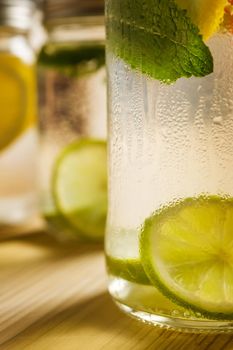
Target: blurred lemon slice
<point x="206" y="14"/>
<point x="13" y="104"/>
<point x="18" y="100"/>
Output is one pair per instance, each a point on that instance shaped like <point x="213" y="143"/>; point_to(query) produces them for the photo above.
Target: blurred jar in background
<point x="72" y="85"/>
<point x="18" y="121"/>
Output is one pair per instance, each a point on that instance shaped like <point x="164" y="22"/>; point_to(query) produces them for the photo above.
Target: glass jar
<point x="169" y="241"/>
<point x="73" y="120"/>
<point x="18" y="123"/>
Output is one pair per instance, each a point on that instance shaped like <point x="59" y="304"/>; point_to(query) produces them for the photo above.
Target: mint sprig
<point x="157" y="38"/>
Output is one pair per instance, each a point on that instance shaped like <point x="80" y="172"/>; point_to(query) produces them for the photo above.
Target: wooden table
<point x="54" y="297"/>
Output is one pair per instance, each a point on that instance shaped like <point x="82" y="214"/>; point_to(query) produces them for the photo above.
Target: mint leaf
<point x="157" y="38"/>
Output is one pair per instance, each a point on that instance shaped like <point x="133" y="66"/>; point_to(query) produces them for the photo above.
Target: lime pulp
<point x="79" y="186"/>
<point x="187" y="253"/>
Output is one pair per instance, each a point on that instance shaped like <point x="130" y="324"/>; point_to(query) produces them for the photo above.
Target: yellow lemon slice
<point x="206" y="14"/>
<point x="17" y="98"/>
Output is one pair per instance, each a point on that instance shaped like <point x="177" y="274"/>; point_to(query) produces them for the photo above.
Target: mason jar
<point x="72" y="85"/>
<point x="18" y="122"/>
<point x="169" y="244"/>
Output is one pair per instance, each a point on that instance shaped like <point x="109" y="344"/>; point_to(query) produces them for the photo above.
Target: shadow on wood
<point x="96" y="323"/>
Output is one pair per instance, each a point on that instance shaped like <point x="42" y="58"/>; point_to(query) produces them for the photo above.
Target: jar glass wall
<point x="169" y="233"/>
<point x="73" y="127"/>
<point x="18" y="125"/>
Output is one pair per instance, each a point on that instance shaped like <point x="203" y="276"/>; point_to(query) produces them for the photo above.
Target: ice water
<point x="18" y="200"/>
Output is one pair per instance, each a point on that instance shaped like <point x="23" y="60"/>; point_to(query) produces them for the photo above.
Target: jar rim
<point x="17" y="14"/>
<point x="64" y="9"/>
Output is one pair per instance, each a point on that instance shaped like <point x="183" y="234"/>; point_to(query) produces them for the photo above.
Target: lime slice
<point x="56" y="223"/>
<point x="206" y="14"/>
<point x="13" y="102"/>
<point x="187" y="252"/>
<point x="128" y="269"/>
<point x="80" y="186"/>
<point x="73" y="61"/>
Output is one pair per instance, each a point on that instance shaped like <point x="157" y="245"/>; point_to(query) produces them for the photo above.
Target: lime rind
<point x="129" y="269"/>
<point x="73" y="61"/>
<point x="87" y="219"/>
<point x="159" y="276"/>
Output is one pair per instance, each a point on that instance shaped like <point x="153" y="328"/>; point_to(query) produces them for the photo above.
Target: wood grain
<point x="54" y="297"/>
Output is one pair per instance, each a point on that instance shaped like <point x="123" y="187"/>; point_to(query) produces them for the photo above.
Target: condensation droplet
<point x="217" y="120"/>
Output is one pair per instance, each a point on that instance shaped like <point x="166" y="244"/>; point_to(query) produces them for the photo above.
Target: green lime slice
<point x="187" y="252"/>
<point x="128" y="269"/>
<point x="55" y="221"/>
<point x="73" y="61"/>
<point x="80" y="186"/>
<point x="57" y="224"/>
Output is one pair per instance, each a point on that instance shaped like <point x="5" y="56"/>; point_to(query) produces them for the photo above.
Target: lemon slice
<point x="80" y="187"/>
<point x="187" y="252"/>
<point x="17" y="98"/>
<point x="206" y="14"/>
<point x="13" y="103"/>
